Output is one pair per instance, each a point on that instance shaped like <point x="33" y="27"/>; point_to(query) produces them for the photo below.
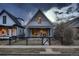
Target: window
<point x="2" y="32"/>
<point x="38" y="19"/>
<point x="4" y="19"/>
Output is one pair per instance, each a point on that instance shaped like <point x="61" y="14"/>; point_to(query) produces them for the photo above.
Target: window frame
<point x="4" y="20"/>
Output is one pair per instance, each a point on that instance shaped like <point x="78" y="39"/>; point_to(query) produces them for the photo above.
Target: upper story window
<point x="4" y="19"/>
<point x="38" y="19"/>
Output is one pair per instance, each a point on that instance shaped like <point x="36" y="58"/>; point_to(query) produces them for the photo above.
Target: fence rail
<point x="26" y="38"/>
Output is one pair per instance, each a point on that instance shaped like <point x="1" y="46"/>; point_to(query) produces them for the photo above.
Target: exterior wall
<point x="27" y="32"/>
<point x="9" y="21"/>
<point x="43" y="23"/>
<point x="20" y="31"/>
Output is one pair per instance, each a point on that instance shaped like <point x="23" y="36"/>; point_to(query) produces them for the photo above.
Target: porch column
<point x="9" y="32"/>
<point x="51" y="32"/>
<point x="14" y="32"/>
<point x="29" y="32"/>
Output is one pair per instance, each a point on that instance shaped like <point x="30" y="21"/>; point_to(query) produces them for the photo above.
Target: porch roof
<point x="11" y="26"/>
<point x="39" y="27"/>
<point x="6" y="26"/>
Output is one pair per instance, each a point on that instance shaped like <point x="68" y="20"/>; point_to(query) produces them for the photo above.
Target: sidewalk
<point x="36" y="46"/>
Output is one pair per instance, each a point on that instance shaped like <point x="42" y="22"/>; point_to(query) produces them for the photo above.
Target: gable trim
<point x="42" y="14"/>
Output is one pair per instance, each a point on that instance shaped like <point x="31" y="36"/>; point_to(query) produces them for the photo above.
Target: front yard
<point x="35" y="42"/>
<point x="62" y="49"/>
<point x="30" y="42"/>
<point x="20" y="50"/>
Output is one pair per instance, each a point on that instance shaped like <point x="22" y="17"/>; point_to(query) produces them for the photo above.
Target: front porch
<point x="38" y="32"/>
<point x="7" y="31"/>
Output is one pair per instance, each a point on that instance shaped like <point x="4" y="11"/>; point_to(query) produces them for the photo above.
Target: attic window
<point x="4" y="19"/>
<point x="38" y="19"/>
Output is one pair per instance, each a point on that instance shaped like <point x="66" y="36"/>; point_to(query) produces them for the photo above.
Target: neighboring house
<point x="10" y="25"/>
<point x="74" y="24"/>
<point x="39" y="25"/>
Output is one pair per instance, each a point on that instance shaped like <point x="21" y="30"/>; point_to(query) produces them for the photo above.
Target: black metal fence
<point x="48" y="39"/>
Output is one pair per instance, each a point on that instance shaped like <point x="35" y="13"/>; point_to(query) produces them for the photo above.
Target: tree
<point x="68" y="36"/>
<point x="64" y="34"/>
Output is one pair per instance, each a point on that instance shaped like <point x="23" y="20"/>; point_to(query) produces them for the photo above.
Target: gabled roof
<point x="39" y="11"/>
<point x="13" y="17"/>
<point x="74" y="22"/>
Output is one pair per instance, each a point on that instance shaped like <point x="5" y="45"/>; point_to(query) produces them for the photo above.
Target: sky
<point x="53" y="11"/>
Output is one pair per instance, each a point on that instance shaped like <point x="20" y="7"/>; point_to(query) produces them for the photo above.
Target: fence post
<point x="42" y="41"/>
<point x="26" y="40"/>
<point x="49" y="41"/>
<point x="10" y="40"/>
<point x="15" y="38"/>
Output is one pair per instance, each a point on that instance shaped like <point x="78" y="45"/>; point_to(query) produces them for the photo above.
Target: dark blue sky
<point x="23" y="10"/>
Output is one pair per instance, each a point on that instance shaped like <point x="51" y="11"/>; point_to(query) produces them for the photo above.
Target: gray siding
<point x="20" y="31"/>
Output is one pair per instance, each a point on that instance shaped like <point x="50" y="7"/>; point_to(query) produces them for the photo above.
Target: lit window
<point x="38" y="19"/>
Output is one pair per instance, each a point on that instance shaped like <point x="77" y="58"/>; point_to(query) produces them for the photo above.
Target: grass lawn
<point x="20" y="42"/>
<point x="30" y="42"/>
<point x="4" y="42"/>
<point x="64" y="50"/>
<point x="20" y="50"/>
<point x="35" y="50"/>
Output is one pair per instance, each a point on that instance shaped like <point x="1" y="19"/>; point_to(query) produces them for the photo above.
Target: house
<point x="10" y="25"/>
<point x="39" y="25"/>
<point x="74" y="24"/>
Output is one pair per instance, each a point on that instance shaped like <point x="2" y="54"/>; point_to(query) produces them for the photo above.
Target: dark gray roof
<point x="74" y="22"/>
